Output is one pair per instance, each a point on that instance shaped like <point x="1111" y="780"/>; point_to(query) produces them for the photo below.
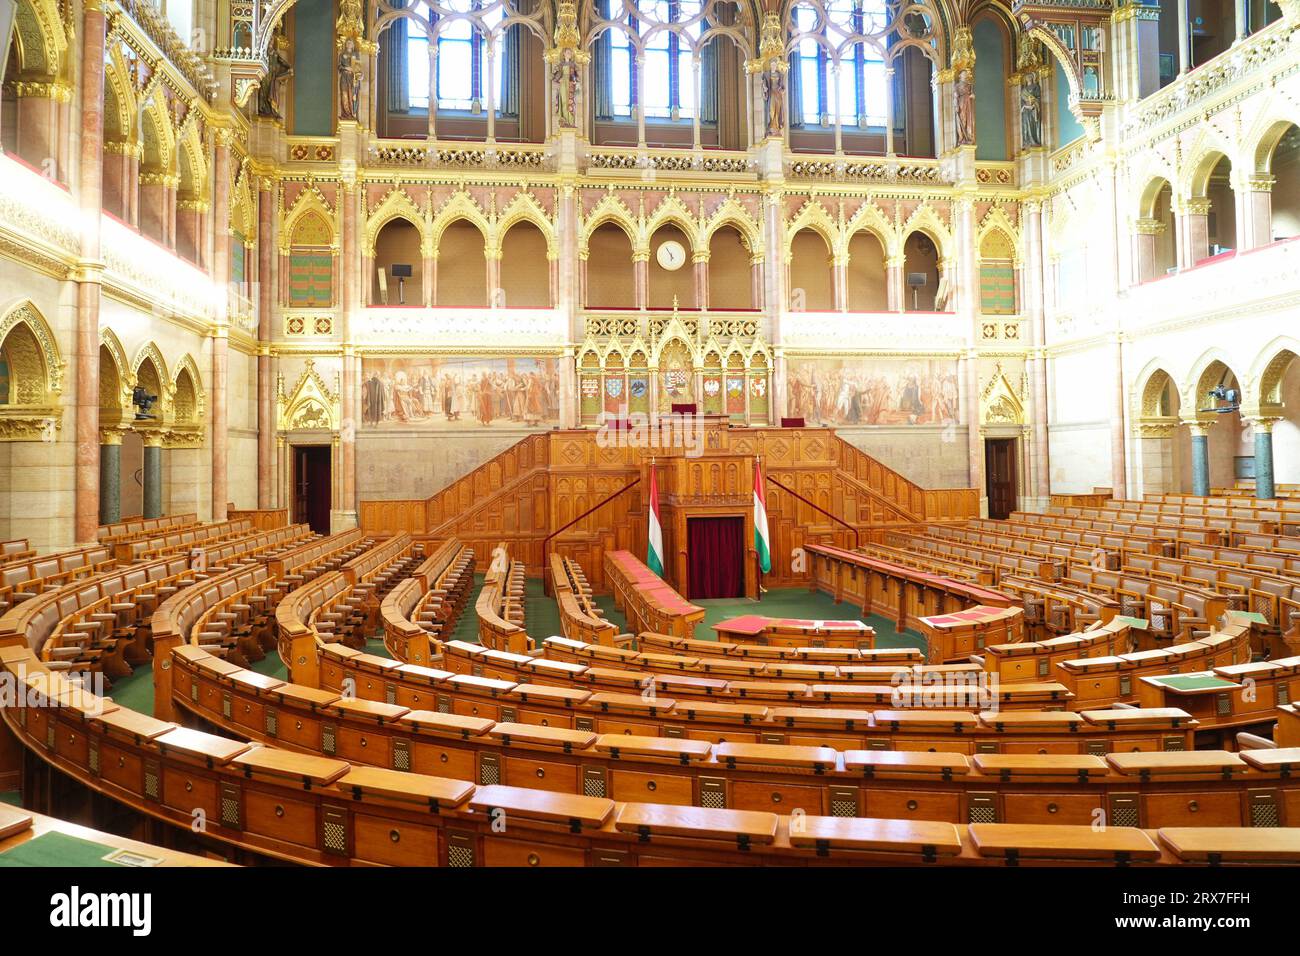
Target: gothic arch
<point x="183" y="411"/>
<point x="1205" y="374"/>
<point x="460" y="206"/>
<point x="525" y="208"/>
<point x="121" y="368"/>
<point x="1269" y="369"/>
<point x="150" y="355"/>
<point x="870" y="219"/>
<point x="36" y="368"/>
<point x="309" y="202"/>
<point x="396" y="205"/>
<point x="813" y="215"/>
<point x="731" y="213"/>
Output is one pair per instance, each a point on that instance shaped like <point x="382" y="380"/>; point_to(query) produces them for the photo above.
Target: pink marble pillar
<point x="553" y="282"/>
<point x="38" y="129"/>
<point x="1196" y="229"/>
<point x="1030" y="293"/>
<point x="582" y="281"/>
<point x="220" y="340"/>
<point x="131" y="188"/>
<point x="115" y="179"/>
<point x="427" y="295"/>
<point x="894" y="297"/>
<point x="757" y="281"/>
<point x="351" y="266"/>
<point x="1118" y="446"/>
<point x="1144" y="253"/>
<point x="1258" y="202"/>
<point x="840" y="277"/>
<point x="495" y="294"/>
<point x="265" y="307"/>
<point x="641" y="278"/>
<point x="153" y="208"/>
<point x="86" y="350"/>
<point x="701" y="262"/>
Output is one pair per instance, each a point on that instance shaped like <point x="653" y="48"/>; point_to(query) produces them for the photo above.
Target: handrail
<point x="857" y="536"/>
<point x="546" y="542"/>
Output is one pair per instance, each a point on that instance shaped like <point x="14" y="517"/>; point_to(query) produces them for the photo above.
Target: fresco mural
<point x="873" y="391"/>
<point x="459" y="393"/>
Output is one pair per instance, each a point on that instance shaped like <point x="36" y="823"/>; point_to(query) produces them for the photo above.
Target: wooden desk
<point x="1012" y="841"/>
<point x="959" y="634"/>
<point x="796" y="632"/>
<point x="18" y="827"/>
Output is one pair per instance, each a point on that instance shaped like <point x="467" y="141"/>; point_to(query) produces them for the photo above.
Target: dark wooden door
<point x="311" y="487"/>
<point x="1000" y="476"/>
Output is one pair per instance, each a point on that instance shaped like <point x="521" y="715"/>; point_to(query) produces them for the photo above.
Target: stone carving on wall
<point x="310" y="405"/>
<point x="29" y="408"/>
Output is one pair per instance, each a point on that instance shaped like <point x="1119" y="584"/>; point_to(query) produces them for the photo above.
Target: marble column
<point x="266" y="423"/>
<point x="221" y="331"/>
<point x="89" y="273"/>
<point x="756" y="282"/>
<point x="1258" y="201"/>
<point x="1264" y="457"/>
<point x="1144" y="248"/>
<point x="641" y="274"/>
<point x="895" y="298"/>
<point x="1118" y="447"/>
<point x="1196" y="231"/>
<point x="1200" y="457"/>
<point x="496" y="295"/>
<point x="967" y="309"/>
<point x="701" y="262"/>
<point x="153" y="464"/>
<point x="1031" y="293"/>
<point x="1184" y="38"/>
<point x="351" y="380"/>
<point x="840" y="278"/>
<point x="110" y="476"/>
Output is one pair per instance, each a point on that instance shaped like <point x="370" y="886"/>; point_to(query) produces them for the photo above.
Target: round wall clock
<point x="671" y="255"/>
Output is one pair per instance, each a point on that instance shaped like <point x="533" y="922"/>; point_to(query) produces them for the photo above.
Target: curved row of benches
<point x="500" y="605"/>
<point x="327" y="811"/>
<point x="1192" y="788"/>
<point x="580" y="617"/>
<point x="692" y="678"/>
<point x="421" y="610"/>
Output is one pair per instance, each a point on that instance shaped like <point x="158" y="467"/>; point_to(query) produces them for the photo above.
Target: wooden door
<point x="1000" y="476"/>
<point x="311" y="487"/>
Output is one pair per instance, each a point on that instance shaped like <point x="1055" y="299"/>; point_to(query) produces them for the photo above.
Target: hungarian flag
<point x="655" y="547"/>
<point x="762" y="540"/>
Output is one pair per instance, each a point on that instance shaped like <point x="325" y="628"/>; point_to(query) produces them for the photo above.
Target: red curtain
<point x="716" y="553"/>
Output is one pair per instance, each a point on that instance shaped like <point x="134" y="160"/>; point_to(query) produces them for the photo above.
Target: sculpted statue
<point x="278" y="72"/>
<point x="965" y="91"/>
<point x="1031" y="105"/>
<point x="774" y="99"/>
<point x="565" y="78"/>
<point x="349" y="79"/>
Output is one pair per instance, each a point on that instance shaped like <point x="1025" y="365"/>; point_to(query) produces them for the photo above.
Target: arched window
<point x="669" y="89"/>
<point x="462" y="78"/>
<point x="666" y="70"/>
<point x="855" y="94"/>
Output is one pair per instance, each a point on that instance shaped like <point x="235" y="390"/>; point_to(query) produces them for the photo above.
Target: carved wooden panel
<point x="584" y="491"/>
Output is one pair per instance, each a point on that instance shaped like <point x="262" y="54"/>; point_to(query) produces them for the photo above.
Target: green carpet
<point x="135" y="692"/>
<point x="12" y="797"/>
